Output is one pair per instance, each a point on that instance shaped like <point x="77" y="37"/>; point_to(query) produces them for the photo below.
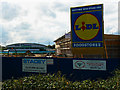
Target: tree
<point x="2" y="48"/>
<point x="51" y="46"/>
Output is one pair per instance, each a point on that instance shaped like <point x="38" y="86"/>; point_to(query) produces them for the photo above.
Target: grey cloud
<point x="46" y="10"/>
<point x="65" y="7"/>
<point x="9" y="11"/>
<point x="23" y="26"/>
<point x="61" y="7"/>
<point x="5" y="35"/>
<point x="110" y="8"/>
<point x="0" y="32"/>
<point x="49" y="12"/>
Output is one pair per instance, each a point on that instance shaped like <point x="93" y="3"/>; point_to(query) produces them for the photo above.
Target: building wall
<point x="111" y="50"/>
<point x="113" y="45"/>
<point x="27" y="46"/>
<point x="63" y="46"/>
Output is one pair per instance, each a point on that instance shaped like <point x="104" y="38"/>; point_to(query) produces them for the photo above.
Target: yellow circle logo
<point x="86" y="26"/>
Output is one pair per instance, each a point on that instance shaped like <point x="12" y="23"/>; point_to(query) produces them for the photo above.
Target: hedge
<point x="50" y="81"/>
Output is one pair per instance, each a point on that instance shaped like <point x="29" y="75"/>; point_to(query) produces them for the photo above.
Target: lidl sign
<point x="87" y="26"/>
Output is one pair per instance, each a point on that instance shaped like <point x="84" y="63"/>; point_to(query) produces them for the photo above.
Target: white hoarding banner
<point x="34" y="65"/>
<point x="89" y="64"/>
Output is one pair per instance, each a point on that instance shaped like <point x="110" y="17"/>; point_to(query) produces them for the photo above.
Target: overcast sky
<point x="43" y="21"/>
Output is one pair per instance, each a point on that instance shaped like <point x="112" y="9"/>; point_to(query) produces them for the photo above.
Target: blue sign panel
<point x="87" y="26"/>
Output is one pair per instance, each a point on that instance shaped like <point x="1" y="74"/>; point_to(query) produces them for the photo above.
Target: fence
<point x="12" y="67"/>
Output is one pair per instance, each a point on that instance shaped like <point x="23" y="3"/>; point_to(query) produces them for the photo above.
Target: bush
<point x="49" y="81"/>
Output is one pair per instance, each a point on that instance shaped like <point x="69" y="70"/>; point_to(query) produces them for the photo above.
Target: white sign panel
<point x="89" y="64"/>
<point x="34" y="65"/>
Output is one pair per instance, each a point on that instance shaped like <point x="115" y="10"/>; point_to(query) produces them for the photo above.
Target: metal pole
<point x="106" y="50"/>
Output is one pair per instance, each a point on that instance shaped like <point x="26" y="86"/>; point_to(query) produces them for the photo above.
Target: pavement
<point x="0" y="85"/>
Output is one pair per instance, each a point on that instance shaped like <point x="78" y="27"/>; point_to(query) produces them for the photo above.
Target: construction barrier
<point x="72" y="68"/>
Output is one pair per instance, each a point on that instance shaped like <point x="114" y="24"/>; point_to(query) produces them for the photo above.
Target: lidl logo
<point x="86" y="26"/>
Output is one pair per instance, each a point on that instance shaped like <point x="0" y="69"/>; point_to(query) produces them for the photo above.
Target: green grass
<point x="49" y="81"/>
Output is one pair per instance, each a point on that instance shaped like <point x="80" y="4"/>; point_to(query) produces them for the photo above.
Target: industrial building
<point x="111" y="47"/>
<point x="26" y="47"/>
<point x="23" y="49"/>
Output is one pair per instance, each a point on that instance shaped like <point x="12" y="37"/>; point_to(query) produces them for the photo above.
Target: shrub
<point x="58" y="81"/>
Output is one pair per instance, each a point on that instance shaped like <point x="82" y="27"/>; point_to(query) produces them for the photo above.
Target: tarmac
<point x="0" y="85"/>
